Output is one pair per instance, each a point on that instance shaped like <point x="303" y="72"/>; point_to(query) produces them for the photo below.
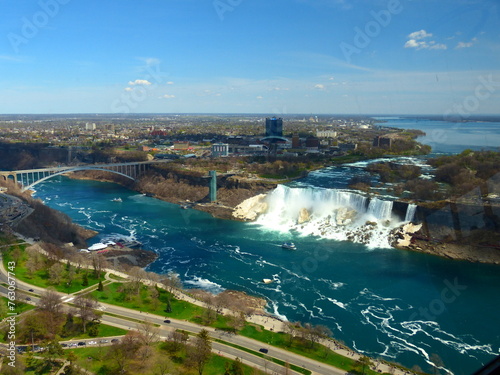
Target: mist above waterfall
<point x="330" y="213"/>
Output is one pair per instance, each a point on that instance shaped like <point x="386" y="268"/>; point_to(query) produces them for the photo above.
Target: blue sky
<point x="250" y="56"/>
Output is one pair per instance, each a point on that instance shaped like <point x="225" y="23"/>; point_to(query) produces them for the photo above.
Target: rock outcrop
<point x="250" y="208"/>
<point x="304" y="216"/>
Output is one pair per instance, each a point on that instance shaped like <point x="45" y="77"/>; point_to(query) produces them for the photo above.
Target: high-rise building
<point x="274" y="127"/>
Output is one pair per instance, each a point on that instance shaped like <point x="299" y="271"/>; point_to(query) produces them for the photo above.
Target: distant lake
<point x="450" y="137"/>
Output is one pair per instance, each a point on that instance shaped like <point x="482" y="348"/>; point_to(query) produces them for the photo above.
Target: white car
<point x="91" y="342"/>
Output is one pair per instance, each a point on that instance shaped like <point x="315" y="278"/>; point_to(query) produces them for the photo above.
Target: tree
<point x="171" y="283"/>
<point x="56" y="273"/>
<point x="364" y="363"/>
<point x="85" y="280"/>
<point x="200" y="351"/>
<point x="237" y="367"/>
<point x="177" y="340"/>
<point x="99" y="262"/>
<point x="50" y="301"/>
<point x="122" y="353"/>
<point x="163" y="365"/>
<point x="100" y="287"/>
<point x="149" y="333"/>
<point x="86" y="310"/>
<point x="291" y="329"/>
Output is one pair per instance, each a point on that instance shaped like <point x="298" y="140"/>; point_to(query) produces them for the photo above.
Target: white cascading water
<point x="330" y="213"/>
<point x="410" y="212"/>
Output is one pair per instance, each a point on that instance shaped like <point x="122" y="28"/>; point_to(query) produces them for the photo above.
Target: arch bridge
<point x="31" y="177"/>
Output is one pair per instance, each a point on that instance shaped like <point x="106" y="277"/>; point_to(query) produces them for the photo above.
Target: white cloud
<point x="416" y="41"/>
<point x="412" y="43"/>
<point x="437" y="46"/>
<point x="170" y="83"/>
<point x="167" y="96"/>
<point x="259" y="97"/>
<point x="319" y="86"/>
<point x="143" y="82"/>
<point x="417" y="35"/>
<point x="128" y="88"/>
<point x="466" y="44"/>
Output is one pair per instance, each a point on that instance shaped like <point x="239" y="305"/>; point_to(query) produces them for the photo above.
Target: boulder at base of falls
<point x="401" y="237"/>
<point x="344" y="216"/>
<point x="304" y="216"/>
<point x="250" y="208"/>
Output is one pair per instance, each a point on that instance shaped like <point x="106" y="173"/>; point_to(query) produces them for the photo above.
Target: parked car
<point x="81" y="343"/>
<point x="91" y="342"/>
<point x="263" y="350"/>
<point x="166" y="321"/>
<point x="115" y="340"/>
<point x="104" y="341"/>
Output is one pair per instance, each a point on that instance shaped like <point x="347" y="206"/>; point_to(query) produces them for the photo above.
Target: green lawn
<point x="181" y="310"/>
<point x="41" y="278"/>
<point x="20" y="307"/>
<point x="319" y="353"/>
<point x="104" y="331"/>
<point x="94" y="358"/>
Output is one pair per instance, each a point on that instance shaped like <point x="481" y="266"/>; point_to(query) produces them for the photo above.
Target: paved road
<point x="291" y="358"/>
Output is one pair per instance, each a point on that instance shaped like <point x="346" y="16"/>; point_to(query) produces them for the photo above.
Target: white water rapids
<point x="331" y="213"/>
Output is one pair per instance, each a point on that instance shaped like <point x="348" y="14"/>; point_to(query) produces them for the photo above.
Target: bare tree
<point x="163" y="366"/>
<point x="99" y="262"/>
<point x="178" y="340"/>
<point x="149" y="333"/>
<point x="50" y="301"/>
<point x="200" y="351"/>
<point x="172" y="282"/>
<point x="86" y="309"/>
<point x="56" y="273"/>
<point x="291" y="329"/>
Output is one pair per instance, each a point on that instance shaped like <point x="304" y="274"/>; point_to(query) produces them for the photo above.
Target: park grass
<point x="181" y="310"/>
<point x="94" y="359"/>
<point x="318" y="352"/>
<point x="41" y="277"/>
<point x="104" y="331"/>
<point x="20" y="307"/>
<point x="270" y="358"/>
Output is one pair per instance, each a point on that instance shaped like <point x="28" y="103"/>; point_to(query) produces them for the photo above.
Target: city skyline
<point x="236" y="56"/>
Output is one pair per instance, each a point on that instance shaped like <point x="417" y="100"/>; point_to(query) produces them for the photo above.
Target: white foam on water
<point x="334" y="214"/>
<point x="205" y="284"/>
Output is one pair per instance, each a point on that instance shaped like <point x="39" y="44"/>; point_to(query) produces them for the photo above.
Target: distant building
<point x="312" y="142"/>
<point x="181" y="146"/>
<point x="90" y="126"/>
<point x="295" y="141"/>
<point x="326" y="134"/>
<point x="348" y="146"/>
<point x="220" y="150"/>
<point x="274" y="127"/>
<point x="382" y="141"/>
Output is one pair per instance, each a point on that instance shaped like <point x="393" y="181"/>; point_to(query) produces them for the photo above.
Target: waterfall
<point x="410" y="212"/>
<point x="329" y="213"/>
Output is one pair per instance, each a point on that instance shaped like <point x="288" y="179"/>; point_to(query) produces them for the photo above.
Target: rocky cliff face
<point x="464" y="230"/>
